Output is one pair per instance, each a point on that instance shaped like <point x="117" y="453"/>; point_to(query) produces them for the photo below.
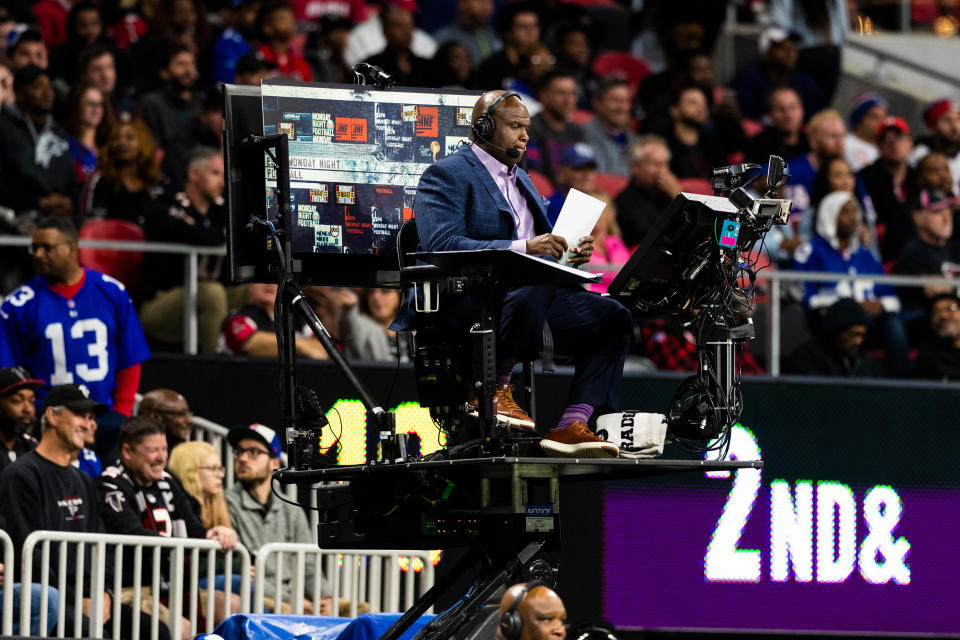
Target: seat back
<point x="541" y="182"/>
<point x="610" y="183"/>
<point x="122" y="265"/>
<point x="408" y="239"/>
<point x="618" y="63"/>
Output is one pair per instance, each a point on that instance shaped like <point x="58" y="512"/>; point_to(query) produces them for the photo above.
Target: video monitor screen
<point x="356" y="154"/>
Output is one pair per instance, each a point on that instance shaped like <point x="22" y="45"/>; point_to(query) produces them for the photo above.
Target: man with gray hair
<point x="652" y="187"/>
<point x="43" y="490"/>
<point x="196" y="216"/>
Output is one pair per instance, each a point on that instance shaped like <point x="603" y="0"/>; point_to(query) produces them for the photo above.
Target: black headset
<point x="511" y="624"/>
<point x="484" y="126"/>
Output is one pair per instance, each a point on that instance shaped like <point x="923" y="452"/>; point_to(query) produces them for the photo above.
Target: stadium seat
<point x="617" y="63"/>
<point x="751" y="127"/>
<point x="122" y="265"/>
<point x="611" y="183"/>
<point x="696" y="185"/>
<point x="541" y="182"/>
<point x="582" y="116"/>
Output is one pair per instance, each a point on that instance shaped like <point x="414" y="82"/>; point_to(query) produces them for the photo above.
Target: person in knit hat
<point x="943" y="119"/>
<point x="867" y="110"/>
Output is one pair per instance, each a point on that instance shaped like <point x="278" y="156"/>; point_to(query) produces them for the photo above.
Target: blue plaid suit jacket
<point x="458" y="206"/>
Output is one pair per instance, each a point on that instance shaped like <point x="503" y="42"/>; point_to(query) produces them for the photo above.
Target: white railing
<point x="777" y="278"/>
<point x="774" y="276"/>
<point x="95" y="577"/>
<point x="375" y="577"/>
<point x="190" y="272"/>
<point x="6" y="620"/>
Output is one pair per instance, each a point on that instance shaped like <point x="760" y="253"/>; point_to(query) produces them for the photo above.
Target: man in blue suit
<point x="478" y="198"/>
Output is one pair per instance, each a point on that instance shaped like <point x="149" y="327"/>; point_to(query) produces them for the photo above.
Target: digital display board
<point x="750" y="551"/>
<point x="356" y="155"/>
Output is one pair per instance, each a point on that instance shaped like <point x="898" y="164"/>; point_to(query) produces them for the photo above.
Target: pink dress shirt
<point x="506" y="181"/>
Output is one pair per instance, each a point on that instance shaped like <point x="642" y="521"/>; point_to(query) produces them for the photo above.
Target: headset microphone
<point x="511" y="152"/>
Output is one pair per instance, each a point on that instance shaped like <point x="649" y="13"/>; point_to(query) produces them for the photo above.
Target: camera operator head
<point x="535" y="613"/>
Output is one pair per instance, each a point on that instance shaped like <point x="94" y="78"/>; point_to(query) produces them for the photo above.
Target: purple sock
<point x="581" y="412"/>
<point x="505" y="372"/>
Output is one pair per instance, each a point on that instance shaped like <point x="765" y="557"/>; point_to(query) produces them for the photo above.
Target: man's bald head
<point x="541" y="611"/>
<point x="170" y="409"/>
<point x="512" y="121"/>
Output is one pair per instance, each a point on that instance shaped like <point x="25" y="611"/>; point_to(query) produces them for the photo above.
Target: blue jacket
<point x="819" y="255"/>
<point x="459" y="207"/>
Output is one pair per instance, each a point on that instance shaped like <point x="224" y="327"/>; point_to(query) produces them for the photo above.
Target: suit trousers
<point x="595" y="330"/>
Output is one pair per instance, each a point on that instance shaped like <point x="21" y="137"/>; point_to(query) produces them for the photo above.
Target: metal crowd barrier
<point x="375" y="577"/>
<point x="95" y="576"/>
<point x="6" y="617"/>
<point x="775" y="277"/>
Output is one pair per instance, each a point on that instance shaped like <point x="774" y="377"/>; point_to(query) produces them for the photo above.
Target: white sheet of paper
<point x="577" y="218"/>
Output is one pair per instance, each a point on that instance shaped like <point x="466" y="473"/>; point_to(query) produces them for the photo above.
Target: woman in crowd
<point x="89" y="121"/>
<point x="198" y="467"/>
<point x="128" y="178"/>
<point x="836" y="174"/>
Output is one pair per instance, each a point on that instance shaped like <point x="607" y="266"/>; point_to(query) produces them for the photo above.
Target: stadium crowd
<point x="111" y="118"/>
<point x="110" y="128"/>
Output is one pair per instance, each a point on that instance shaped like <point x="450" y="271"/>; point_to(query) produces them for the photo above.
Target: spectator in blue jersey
<point x="70" y="324"/>
<point x="240" y="19"/>
<point x="17" y="413"/>
<point x="836" y="248"/>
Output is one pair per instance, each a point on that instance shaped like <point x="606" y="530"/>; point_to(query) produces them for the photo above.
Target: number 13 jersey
<point x="84" y="339"/>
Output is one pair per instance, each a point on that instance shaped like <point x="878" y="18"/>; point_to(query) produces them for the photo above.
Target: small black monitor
<point x="681" y="253"/>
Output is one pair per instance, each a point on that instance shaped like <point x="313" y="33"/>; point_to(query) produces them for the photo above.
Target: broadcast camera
<point x="699" y="262"/>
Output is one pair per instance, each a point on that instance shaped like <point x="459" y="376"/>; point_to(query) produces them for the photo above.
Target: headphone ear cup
<point x="511" y="626"/>
<point x="483" y="127"/>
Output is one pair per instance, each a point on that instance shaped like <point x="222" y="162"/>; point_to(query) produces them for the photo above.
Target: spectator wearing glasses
<point x="261" y="517"/>
<point x="74" y="325"/>
<point x="171" y="410"/>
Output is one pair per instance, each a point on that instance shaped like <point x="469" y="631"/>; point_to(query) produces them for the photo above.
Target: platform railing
<point x="71" y="548"/>
<point x="775" y="277"/>
<point x="384" y="580"/>
<point x="6" y="617"/>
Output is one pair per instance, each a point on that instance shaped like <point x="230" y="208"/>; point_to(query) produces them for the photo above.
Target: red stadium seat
<point x="611" y="183"/>
<point x="541" y="182"/>
<point x="751" y="127"/>
<point x="582" y="116"/>
<point x="617" y="63"/>
<point x="696" y="185"/>
<point x="122" y="265"/>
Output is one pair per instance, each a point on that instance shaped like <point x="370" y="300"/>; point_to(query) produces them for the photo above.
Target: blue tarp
<point x="368" y="626"/>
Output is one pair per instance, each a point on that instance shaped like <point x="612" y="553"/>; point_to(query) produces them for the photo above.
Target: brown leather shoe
<point x="507" y="409"/>
<point x="577" y="441"/>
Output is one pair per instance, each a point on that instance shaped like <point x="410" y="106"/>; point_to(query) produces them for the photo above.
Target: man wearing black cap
<point x="939" y="358"/>
<point x="43" y="490"/>
<point x="838" y="349"/>
<point x="17" y="413"/>
<point x="35" y="161"/>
